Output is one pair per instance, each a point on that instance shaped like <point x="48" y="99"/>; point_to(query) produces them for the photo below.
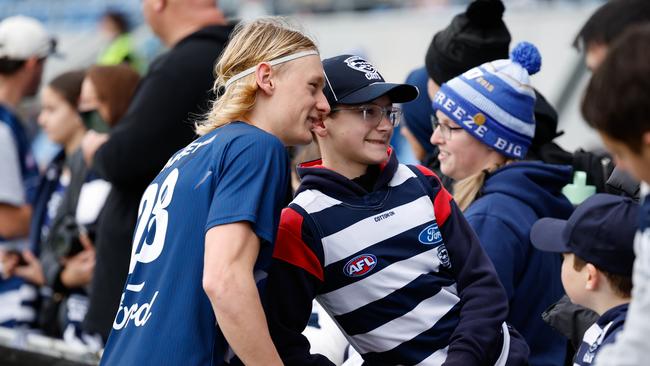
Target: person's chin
<point x="376" y="158"/>
<point x="304" y="139"/>
<point x="446" y="169"/>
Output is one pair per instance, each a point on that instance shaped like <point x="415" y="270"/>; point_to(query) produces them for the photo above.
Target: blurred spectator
<point x="114" y="26"/>
<point x="605" y="25"/>
<point x="80" y="208"/>
<point x="594" y="39"/>
<point x="616" y="105"/>
<point x="106" y="93"/>
<point x="175" y="89"/>
<point x="66" y="264"/>
<point x="24" y="46"/>
<point x="53" y="232"/>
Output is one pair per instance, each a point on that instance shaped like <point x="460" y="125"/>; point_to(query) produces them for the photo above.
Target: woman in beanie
<point x="485" y="126"/>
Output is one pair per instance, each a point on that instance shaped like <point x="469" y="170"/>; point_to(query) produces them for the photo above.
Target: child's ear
<point x="593" y="279"/>
<point x="319" y="128"/>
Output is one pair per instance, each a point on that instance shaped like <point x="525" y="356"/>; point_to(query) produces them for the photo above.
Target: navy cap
<point x="600" y="231"/>
<point x="350" y="79"/>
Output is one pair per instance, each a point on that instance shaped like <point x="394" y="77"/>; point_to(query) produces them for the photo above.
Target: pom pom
<point x="527" y="55"/>
<point x="485" y="13"/>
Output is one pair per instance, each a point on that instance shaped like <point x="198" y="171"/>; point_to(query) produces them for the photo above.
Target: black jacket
<point x="175" y="92"/>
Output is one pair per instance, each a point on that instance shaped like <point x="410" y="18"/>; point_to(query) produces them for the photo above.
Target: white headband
<point x="277" y="61"/>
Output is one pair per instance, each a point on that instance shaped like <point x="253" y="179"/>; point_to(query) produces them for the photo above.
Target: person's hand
<point x="9" y="261"/>
<point x="78" y="270"/>
<point x="91" y="142"/>
<point x="85" y="240"/>
<point x="32" y="272"/>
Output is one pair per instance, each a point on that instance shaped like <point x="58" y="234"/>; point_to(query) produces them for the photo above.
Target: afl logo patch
<point x="430" y="235"/>
<point x="360" y="265"/>
<point x="359" y="64"/>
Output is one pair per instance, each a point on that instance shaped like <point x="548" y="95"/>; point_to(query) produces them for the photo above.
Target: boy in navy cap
<point x="597" y="244"/>
<point x="381" y="245"/>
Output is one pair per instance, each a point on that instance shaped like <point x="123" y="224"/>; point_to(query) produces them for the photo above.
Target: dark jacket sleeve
<point x="477" y="337"/>
<point x="155" y="126"/>
<point x="503" y="246"/>
<point x="295" y="276"/>
<point x="569" y="319"/>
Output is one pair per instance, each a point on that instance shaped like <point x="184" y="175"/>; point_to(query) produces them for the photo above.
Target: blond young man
<point x="207" y="222"/>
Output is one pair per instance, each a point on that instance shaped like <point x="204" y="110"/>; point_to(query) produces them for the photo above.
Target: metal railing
<point x="19" y="346"/>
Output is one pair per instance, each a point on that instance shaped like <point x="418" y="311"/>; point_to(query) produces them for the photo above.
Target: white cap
<point x="23" y="37"/>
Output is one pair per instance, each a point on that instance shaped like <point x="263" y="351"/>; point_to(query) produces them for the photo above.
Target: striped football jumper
<point x="398" y="268"/>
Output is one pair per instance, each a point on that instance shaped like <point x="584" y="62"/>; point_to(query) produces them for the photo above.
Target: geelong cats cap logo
<point x="359" y="64"/>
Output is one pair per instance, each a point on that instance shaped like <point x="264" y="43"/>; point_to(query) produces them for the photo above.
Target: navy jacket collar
<point x="314" y="175"/>
<point x="616" y="314"/>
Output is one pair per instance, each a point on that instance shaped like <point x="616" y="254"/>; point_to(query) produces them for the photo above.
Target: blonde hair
<point x="251" y="43"/>
<point x="466" y="190"/>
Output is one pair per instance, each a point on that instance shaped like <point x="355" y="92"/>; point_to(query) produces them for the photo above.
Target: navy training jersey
<point x="235" y="173"/>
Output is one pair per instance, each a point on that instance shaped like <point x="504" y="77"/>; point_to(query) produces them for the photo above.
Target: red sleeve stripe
<point x="289" y="246"/>
<point x="442" y="206"/>
<point x="426" y="171"/>
<point x="442" y="202"/>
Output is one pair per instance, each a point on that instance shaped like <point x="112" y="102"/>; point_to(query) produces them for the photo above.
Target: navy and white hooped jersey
<point x="601" y="333"/>
<point x="235" y="173"/>
<point x="18" y="184"/>
<point x="398" y="269"/>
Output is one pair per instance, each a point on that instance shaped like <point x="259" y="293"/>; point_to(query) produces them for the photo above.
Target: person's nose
<point x="322" y="105"/>
<point x="385" y="124"/>
<point x="436" y="137"/>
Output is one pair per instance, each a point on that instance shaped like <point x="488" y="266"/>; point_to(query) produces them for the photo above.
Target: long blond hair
<point x="466" y="190"/>
<point x="257" y="41"/>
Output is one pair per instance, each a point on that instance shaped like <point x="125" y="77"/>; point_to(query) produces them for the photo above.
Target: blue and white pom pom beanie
<point x="495" y="102"/>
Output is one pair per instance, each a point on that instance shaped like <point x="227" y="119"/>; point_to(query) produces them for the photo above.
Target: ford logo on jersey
<point x="430" y="235"/>
<point x="360" y="265"/>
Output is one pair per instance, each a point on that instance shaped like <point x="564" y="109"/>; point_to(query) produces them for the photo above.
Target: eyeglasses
<point x="445" y="131"/>
<point x="374" y="114"/>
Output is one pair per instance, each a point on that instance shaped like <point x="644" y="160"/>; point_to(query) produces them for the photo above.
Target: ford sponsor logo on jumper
<point x="430" y="235"/>
<point x="360" y="265"/>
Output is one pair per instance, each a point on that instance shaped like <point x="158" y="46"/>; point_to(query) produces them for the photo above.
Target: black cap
<point x="350" y="79"/>
<point x="600" y="231"/>
<point x="474" y="37"/>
